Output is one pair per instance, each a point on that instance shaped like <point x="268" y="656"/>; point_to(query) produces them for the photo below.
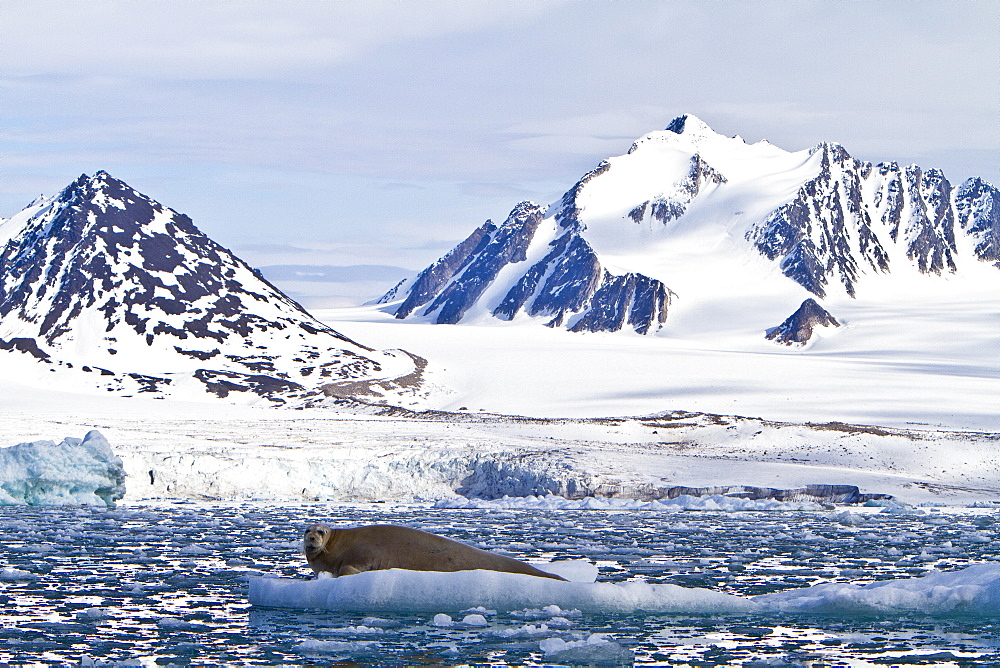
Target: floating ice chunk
<point x="194" y="550"/>
<point x="92" y="615"/>
<point x="174" y="624"/>
<point x="73" y="472"/>
<point x="135" y="662"/>
<point x="548" y="612"/>
<point x="378" y="622"/>
<point x="596" y="650"/>
<point x="442" y="620"/>
<point x="356" y="630"/>
<point x="328" y="647"/>
<point x="474" y="620"/>
<point x="847" y="518"/>
<point x="10" y="574"/>
<point x="901" y="509"/>
<point x="479" y="610"/>
<point x="526" y="631"/>
<point x="972" y="591"/>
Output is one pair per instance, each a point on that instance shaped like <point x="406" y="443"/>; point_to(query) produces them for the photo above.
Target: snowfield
<point x="525" y="410"/>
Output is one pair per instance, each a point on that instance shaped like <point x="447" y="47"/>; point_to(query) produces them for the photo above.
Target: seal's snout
<point x="315" y="537"/>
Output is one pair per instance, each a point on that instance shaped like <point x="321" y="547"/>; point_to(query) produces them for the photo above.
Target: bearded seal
<point x="382" y="546"/>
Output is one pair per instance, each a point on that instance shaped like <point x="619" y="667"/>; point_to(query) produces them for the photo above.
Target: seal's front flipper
<point x="348" y="570"/>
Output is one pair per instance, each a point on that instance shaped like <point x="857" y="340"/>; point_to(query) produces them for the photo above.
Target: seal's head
<point x="316" y="537"/>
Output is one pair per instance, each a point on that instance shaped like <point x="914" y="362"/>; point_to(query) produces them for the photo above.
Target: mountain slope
<point x="106" y="282"/>
<point x="691" y="215"/>
<point x="563" y="280"/>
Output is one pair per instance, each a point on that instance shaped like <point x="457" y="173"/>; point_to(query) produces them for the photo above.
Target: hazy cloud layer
<point x="381" y="125"/>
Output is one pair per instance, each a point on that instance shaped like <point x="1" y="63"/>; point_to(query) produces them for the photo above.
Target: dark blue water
<point x="159" y="585"/>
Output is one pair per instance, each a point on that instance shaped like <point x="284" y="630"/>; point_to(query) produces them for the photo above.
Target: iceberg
<point x="973" y="591"/>
<point x="76" y="471"/>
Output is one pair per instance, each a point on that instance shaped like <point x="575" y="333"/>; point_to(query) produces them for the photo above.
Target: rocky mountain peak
<point x="800" y="327"/>
<point x="825" y="219"/>
<point x="103" y="277"/>
<point x="691" y="126"/>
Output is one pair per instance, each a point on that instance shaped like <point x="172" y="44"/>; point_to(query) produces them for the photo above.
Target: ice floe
<point x="974" y="590"/>
<point x="683" y="502"/>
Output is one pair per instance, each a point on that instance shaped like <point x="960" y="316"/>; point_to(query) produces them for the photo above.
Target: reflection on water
<point x="168" y="584"/>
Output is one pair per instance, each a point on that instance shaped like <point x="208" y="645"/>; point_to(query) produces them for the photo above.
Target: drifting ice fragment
<point x="442" y="620"/>
<point x="972" y="591"/>
<point x="331" y="647"/>
<point x="72" y="472"/>
<point x="594" y="650"/>
<point x="474" y="620"/>
<point x="10" y="574"/>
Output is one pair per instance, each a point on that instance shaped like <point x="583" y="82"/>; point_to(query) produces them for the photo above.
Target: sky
<point x="381" y="133"/>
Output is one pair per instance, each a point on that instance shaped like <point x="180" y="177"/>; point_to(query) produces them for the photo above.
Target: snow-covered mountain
<point x="103" y="284"/>
<point x="691" y="216"/>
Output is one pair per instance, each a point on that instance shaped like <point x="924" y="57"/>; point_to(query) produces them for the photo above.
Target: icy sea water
<point x="167" y="584"/>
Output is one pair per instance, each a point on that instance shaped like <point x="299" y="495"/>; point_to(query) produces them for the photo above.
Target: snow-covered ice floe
<point x="75" y="471"/>
<point x="973" y="591"/>
<point x="683" y="502"/>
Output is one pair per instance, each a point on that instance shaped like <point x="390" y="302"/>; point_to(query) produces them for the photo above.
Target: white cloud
<point x="212" y="39"/>
<point x="244" y="113"/>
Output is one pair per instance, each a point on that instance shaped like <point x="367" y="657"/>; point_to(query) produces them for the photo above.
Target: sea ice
<point x="72" y="472"/>
<point x="974" y="590"/>
<point x="683" y="502"/>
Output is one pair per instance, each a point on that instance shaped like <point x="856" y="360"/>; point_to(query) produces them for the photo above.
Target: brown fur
<point x="382" y="546"/>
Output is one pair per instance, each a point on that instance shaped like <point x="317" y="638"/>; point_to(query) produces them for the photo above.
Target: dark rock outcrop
<point x="828" y="233"/>
<point x="799" y="327"/>
<point x="665" y="208"/>
<point x="978" y="206"/>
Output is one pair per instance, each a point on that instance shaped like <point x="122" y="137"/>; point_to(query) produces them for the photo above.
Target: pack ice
<point x="75" y="471"/>
<point x="973" y="591"/>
